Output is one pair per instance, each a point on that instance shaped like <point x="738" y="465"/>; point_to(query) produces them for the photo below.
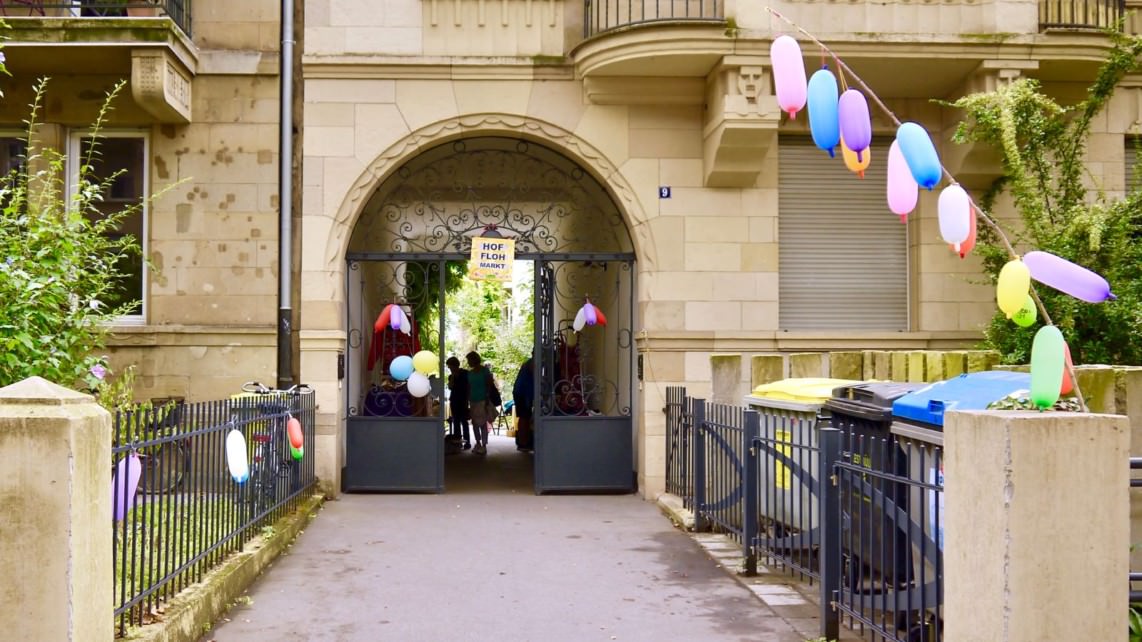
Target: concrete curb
<point x="192" y="613"/>
<point x="791" y="598"/>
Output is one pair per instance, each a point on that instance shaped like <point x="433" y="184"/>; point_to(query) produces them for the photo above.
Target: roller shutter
<point x="843" y="255"/>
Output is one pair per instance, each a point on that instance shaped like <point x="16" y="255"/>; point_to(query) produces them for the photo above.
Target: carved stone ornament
<point x="160" y="85"/>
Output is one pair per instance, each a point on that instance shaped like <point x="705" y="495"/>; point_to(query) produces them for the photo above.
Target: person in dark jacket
<point x="458" y="401"/>
<point x="523" y="394"/>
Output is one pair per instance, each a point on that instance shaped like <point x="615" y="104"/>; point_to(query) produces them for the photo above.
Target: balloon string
<point x="842" y="68"/>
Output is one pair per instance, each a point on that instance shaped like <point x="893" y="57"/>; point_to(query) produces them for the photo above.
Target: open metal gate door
<point x="394" y="439"/>
<point x="584" y="437"/>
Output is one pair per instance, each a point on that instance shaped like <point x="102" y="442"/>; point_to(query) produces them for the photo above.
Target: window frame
<point x="74" y="147"/>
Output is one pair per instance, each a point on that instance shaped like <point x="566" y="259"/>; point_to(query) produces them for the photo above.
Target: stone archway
<point x="324" y="338"/>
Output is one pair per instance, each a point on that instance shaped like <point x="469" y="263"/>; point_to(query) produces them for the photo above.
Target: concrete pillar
<point x="726" y="377"/>
<point x="916" y="362"/>
<point x="846" y="365"/>
<point x="55" y="534"/>
<point x="1097" y="384"/>
<point x="1037" y="519"/>
<point x="898" y="368"/>
<point x="808" y="365"/>
<point x="766" y="368"/>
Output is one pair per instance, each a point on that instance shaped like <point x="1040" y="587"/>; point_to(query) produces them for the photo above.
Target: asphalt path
<point x="490" y="560"/>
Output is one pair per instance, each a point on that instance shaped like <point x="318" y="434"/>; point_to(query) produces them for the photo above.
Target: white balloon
<point x="418" y="385"/>
<point x="236" y="456"/>
<point x="580" y="320"/>
<point x="405" y="326"/>
<point x="954" y="210"/>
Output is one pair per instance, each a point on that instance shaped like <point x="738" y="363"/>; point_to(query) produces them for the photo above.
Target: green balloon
<point x="296" y="453"/>
<point x="1047" y="365"/>
<point x="1027" y="315"/>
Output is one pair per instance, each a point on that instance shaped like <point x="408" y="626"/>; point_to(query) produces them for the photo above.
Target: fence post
<point x="750" y="433"/>
<point x="56" y="531"/>
<point x="829" y="442"/>
<point x="699" y="453"/>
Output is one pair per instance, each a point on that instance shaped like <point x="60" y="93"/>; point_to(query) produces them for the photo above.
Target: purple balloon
<point x="589" y="314"/>
<point x="1064" y="276"/>
<point x="125" y="485"/>
<point x="855" y="122"/>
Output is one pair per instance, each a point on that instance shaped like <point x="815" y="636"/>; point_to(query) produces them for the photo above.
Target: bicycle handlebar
<point x="262" y="389"/>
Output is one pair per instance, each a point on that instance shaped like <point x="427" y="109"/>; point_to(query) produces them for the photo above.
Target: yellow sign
<point x="492" y="259"/>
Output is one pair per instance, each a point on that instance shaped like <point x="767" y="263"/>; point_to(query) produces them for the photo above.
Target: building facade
<point x="657" y="120"/>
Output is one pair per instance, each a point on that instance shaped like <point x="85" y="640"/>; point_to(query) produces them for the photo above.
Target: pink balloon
<point x="902" y="188"/>
<point x="855" y="122"/>
<point x="125" y="485"/>
<point x="1067" y="277"/>
<point x="788" y="75"/>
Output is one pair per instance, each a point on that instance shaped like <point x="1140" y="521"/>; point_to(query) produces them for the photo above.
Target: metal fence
<point x="679" y="481"/>
<point x="177" y="10"/>
<point x="188" y="513"/>
<point x="1080" y="14"/>
<point x="860" y="514"/>
<point x="601" y="16"/>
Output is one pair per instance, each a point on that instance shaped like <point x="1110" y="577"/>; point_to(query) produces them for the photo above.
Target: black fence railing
<point x="679" y="481"/>
<point x="1080" y="14"/>
<point x="177" y="10"/>
<point x="1135" y="576"/>
<point x="178" y="511"/>
<point x="601" y="16"/>
<point x="861" y="515"/>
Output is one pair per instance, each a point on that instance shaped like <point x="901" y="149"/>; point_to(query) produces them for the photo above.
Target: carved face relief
<point x="749" y="82"/>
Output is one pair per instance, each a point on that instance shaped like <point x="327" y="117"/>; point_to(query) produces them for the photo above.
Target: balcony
<point x="145" y="40"/>
<point x="1080" y="14"/>
<point x="603" y="16"/>
<point x="627" y="38"/>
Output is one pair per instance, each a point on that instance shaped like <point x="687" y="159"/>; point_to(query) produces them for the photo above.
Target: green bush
<point x="1043" y="148"/>
<point x="60" y="263"/>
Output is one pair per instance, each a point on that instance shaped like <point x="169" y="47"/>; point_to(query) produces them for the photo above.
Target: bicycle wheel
<point x="163" y="469"/>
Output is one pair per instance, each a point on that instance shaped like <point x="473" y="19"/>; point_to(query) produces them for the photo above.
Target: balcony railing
<point x="1080" y="14"/>
<point x="605" y="15"/>
<point x="177" y="10"/>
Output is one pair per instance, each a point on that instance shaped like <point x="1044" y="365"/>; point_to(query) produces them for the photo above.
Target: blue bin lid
<point x="972" y="391"/>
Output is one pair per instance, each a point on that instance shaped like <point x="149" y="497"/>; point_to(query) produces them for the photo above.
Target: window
<point x="13" y="153"/>
<point x="842" y="255"/>
<point x="121" y="155"/>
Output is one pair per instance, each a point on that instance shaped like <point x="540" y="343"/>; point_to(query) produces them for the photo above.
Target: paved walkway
<point x="490" y="560"/>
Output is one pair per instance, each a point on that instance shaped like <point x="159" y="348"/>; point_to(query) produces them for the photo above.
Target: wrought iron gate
<point x="420" y="222"/>
<point x="584" y="423"/>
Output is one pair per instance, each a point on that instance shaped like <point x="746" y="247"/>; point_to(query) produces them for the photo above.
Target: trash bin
<point x="788" y="470"/>
<point x="918" y="423"/>
<point x="877" y="537"/>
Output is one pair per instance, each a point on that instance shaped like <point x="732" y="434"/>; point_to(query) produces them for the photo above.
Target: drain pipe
<point x="285" y="200"/>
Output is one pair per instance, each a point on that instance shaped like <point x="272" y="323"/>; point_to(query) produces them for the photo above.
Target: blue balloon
<point x="920" y="154"/>
<point x="401" y="368"/>
<point x="823" y="120"/>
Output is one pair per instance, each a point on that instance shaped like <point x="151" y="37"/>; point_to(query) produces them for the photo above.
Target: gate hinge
<point x="340" y="366"/>
<point x="833" y="479"/>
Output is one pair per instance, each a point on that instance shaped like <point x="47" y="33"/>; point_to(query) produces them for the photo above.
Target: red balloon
<point x="600" y="319"/>
<point x="1068" y="385"/>
<point x="296" y="437"/>
<point x="383" y="319"/>
<point x="967" y="245"/>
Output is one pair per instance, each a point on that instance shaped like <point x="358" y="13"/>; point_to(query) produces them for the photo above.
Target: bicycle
<point x="271" y="461"/>
<point x="167" y="462"/>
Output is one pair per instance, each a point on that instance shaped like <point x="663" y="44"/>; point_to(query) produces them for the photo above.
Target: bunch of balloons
<point x="589" y="314"/>
<point x="415" y="371"/>
<point x="393" y="316"/>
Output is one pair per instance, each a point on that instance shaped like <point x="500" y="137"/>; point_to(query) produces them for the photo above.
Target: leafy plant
<point x="1043" y="149"/>
<point x="62" y="261"/>
<point x="496" y="322"/>
<point x="1136" y="623"/>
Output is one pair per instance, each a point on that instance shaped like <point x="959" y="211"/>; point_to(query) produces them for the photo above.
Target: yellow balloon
<point x="425" y="362"/>
<point x="1013" y="288"/>
<point x="851" y="161"/>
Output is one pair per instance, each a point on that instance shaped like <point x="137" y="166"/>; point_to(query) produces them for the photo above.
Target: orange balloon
<point x="296" y="437"/>
<point x="1068" y="385"/>
<point x="852" y="162"/>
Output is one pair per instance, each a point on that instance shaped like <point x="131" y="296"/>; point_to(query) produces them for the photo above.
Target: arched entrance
<point x="409" y="244"/>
